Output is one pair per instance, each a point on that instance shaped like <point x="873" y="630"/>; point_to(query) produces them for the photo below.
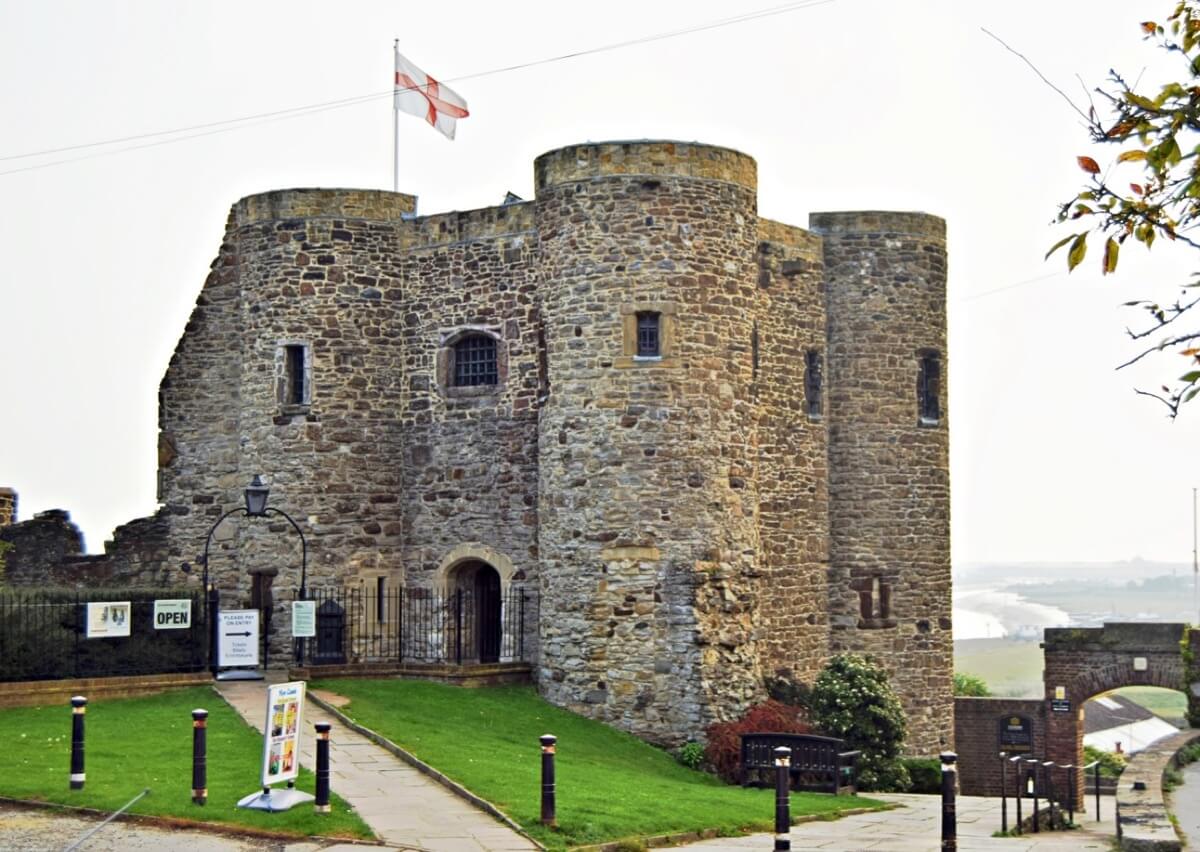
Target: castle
<point x="716" y="444"/>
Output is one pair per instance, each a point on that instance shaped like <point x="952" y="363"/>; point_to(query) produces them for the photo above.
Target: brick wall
<point x="976" y="739"/>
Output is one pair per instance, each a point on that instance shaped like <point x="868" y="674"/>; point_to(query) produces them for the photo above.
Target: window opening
<point x="475" y="361"/>
<point x="754" y="352"/>
<point x="928" y="387"/>
<point x="295" y="392"/>
<point x="649" y="337"/>
<point x="812" y="382"/>
<point x="381" y="599"/>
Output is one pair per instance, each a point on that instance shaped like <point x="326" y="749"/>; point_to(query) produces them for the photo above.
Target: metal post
<point x="1096" y="777"/>
<point x="783" y="816"/>
<point x="949" y="809"/>
<point x="1033" y="781"/>
<point x="1048" y="774"/>
<point x="200" y="756"/>
<point x="1070" y="794"/>
<point x="213" y="610"/>
<point x="549" y="817"/>
<point x="1004" y="793"/>
<point x="78" y="709"/>
<point x="321" y="805"/>
<point x="458" y="596"/>
<point x="1020" y="788"/>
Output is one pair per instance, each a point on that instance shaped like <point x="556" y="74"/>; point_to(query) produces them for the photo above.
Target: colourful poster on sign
<point x="281" y="738"/>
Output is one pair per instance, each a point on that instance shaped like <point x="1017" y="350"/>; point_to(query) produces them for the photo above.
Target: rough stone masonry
<point x="715" y="443"/>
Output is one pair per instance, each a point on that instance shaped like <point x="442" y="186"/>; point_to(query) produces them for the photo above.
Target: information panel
<point x="281" y="739"/>
<point x="304" y="619"/>
<point x="238" y="641"/>
<point x="1016" y="734"/>
<point x="108" y="618"/>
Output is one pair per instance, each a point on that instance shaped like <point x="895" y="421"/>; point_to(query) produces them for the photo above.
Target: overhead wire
<point x="181" y="134"/>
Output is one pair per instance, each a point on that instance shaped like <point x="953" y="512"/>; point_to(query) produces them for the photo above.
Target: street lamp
<point x="255" y="494"/>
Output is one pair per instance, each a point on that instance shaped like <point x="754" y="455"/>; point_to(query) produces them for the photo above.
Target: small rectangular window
<point x="929" y="382"/>
<point x="649" y="339"/>
<point x="295" y="386"/>
<point x="381" y="599"/>
<point x="812" y="383"/>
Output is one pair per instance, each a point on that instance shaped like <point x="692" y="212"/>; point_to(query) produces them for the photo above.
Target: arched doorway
<point x="479" y="584"/>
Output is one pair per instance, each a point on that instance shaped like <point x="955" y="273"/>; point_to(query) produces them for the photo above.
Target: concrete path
<point x="916" y="827"/>
<point x="404" y="807"/>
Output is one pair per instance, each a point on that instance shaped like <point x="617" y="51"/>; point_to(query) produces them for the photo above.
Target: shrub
<point x="970" y="685"/>
<point x="691" y="755"/>
<point x="1111" y="763"/>
<point x="924" y="773"/>
<point x="724" y="748"/>
<point x="852" y="700"/>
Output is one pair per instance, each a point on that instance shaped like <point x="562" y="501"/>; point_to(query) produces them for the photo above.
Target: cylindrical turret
<point x="647" y="532"/>
<point x="889" y="491"/>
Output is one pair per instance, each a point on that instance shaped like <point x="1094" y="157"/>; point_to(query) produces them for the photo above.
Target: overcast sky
<point x="848" y="104"/>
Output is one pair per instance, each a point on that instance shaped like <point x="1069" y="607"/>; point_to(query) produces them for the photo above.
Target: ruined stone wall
<point x="648" y="540"/>
<point x="889" y="477"/>
<point x="8" y="506"/>
<point x="48" y="538"/>
<point x="793" y="449"/>
<point x="470" y="453"/>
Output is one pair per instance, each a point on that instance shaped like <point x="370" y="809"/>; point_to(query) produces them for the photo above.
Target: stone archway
<point x="476" y="579"/>
<point x="1081" y="662"/>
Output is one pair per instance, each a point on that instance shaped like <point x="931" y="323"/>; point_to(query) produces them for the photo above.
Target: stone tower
<point x="889" y="477"/>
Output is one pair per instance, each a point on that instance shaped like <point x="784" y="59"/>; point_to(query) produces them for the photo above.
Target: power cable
<point x="227" y="125"/>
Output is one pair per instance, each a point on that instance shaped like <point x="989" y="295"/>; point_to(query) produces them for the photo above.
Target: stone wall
<point x="977" y="724"/>
<point x="46" y="539"/>
<point x="889" y="472"/>
<point x="8" y="506"/>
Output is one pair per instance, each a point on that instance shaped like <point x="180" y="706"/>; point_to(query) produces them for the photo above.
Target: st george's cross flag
<point x="419" y="94"/>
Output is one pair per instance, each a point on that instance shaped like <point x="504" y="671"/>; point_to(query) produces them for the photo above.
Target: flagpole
<point x="395" y="126"/>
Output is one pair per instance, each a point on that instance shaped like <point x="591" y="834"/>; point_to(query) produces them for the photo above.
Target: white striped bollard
<point x="949" y="808"/>
<point x="78" y="709"/>
<point x="783" y="814"/>
<point x="321" y="805"/>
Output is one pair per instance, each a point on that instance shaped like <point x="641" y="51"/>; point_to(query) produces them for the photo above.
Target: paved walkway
<point x="917" y="827"/>
<point x="404" y="807"/>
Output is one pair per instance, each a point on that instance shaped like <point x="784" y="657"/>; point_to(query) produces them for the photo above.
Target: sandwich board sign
<point x="108" y="618"/>
<point x="237" y="644"/>
<point x="281" y="750"/>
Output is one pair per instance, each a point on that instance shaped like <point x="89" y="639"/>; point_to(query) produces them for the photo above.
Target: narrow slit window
<point x="295" y="391"/>
<point x="812" y="383"/>
<point x="381" y="599"/>
<point x="475" y="361"/>
<point x="929" y="382"/>
<point x="649" y="334"/>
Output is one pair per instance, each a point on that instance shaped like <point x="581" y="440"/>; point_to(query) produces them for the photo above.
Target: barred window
<point x="649" y="338"/>
<point x="812" y="383"/>
<point x="929" y="381"/>
<point x="475" y="361"/>
<point x="294" y="393"/>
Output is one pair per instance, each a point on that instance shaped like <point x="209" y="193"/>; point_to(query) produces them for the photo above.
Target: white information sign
<point x="238" y="641"/>
<point x="304" y="619"/>
<point x="108" y="618"/>
<point x="281" y="740"/>
<point x="172" y="615"/>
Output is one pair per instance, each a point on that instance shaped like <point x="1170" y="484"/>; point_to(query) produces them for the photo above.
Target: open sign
<point x="172" y="615"/>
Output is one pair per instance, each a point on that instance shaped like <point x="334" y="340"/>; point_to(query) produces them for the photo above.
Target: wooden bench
<point x="818" y="764"/>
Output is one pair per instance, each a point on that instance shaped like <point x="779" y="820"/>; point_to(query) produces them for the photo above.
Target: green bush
<point x="970" y="685"/>
<point x="1111" y="764"/>
<point x="853" y="700"/>
<point x="691" y="755"/>
<point x="925" y="774"/>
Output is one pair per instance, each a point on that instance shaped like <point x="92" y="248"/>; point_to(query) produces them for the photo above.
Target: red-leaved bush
<point x="724" y="748"/>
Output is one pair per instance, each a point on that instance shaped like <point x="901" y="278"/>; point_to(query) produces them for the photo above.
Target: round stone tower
<point x="889" y="475"/>
<point x="647" y="527"/>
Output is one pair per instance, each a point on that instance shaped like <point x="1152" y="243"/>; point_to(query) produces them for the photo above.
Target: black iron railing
<point x="418" y="625"/>
<point x="44" y="635"/>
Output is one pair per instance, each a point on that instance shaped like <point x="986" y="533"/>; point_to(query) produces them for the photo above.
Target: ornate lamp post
<point x="256" y="494"/>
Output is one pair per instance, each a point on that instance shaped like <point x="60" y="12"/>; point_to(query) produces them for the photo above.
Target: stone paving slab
<point x="402" y="806"/>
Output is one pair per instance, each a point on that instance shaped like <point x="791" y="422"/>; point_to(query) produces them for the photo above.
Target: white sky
<point x="852" y="104"/>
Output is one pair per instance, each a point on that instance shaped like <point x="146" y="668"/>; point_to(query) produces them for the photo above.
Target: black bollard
<point x="783" y="814"/>
<point x="199" y="756"/>
<point x="1004" y="793"/>
<point x="1032" y="766"/>
<point x="949" y="809"/>
<point x="1020" y="788"/>
<point x="1096" y="777"/>
<point x="78" y="709"/>
<point x="321" y="805"/>
<point x="549" y="817"/>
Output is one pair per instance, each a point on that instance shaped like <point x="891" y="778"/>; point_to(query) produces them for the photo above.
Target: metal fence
<point x="417" y="625"/>
<point x="43" y="636"/>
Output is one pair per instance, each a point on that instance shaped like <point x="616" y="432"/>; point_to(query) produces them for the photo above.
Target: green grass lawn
<point x="1171" y="704"/>
<point x="1010" y="668"/>
<point x="610" y="785"/>
<point x="135" y="743"/>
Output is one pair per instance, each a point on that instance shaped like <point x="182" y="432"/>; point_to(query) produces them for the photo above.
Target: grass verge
<point x="135" y="743"/>
<point x="610" y="785"/>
